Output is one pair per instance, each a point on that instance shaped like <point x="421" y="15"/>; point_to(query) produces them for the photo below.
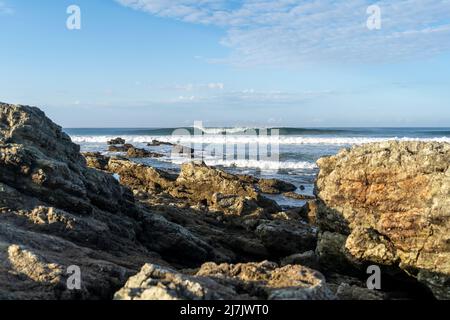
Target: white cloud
<point x="195" y="87"/>
<point x="218" y="85"/>
<point x="250" y="97"/>
<point x="302" y="32"/>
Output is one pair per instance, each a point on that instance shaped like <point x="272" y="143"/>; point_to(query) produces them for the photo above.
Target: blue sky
<point x="160" y="63"/>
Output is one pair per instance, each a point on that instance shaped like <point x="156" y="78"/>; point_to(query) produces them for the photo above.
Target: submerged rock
<point x="248" y="281"/>
<point x="392" y="200"/>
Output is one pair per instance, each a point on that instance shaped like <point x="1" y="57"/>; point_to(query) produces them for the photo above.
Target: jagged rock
<point x="392" y="198"/>
<point x="199" y="183"/>
<point x="234" y="205"/>
<point x="157" y="143"/>
<point x="96" y="160"/>
<point x="141" y="177"/>
<point x="284" y="238"/>
<point x="133" y="152"/>
<point x="275" y="186"/>
<point x="120" y="148"/>
<point x="213" y="282"/>
<point x="298" y="196"/>
<point x="56" y="212"/>
<point x="196" y="183"/>
<point x="116" y="141"/>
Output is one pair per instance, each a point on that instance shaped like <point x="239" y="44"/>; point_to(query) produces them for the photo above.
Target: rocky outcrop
<point x="275" y="186"/>
<point x="116" y="141"/>
<point x="56" y="212"/>
<point x="196" y="184"/>
<point x="222" y="208"/>
<point x="120" y="147"/>
<point x="390" y="204"/>
<point x="133" y="152"/>
<point x="157" y="143"/>
<point x="200" y="183"/>
<point x="249" y="281"/>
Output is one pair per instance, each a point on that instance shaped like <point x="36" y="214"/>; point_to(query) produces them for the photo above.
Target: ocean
<point x="289" y="154"/>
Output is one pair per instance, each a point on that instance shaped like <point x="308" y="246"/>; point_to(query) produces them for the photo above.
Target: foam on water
<point x="260" y="164"/>
<point x="245" y="139"/>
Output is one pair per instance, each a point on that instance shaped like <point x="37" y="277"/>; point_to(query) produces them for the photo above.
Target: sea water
<point x="297" y="149"/>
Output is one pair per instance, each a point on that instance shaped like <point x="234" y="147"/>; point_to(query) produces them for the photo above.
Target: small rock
<point x="275" y="186"/>
<point x="116" y="141"/>
<point x="133" y="152"/>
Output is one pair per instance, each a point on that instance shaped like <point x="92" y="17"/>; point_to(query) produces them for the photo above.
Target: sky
<point x="166" y="63"/>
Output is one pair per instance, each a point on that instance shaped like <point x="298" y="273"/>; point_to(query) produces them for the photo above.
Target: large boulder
<point x="391" y="203"/>
<point x="248" y="281"/>
<point x="201" y="183"/>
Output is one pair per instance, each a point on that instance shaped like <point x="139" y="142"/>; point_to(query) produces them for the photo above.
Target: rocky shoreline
<point x="204" y="233"/>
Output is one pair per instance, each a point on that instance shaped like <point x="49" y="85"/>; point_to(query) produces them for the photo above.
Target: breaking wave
<point x="251" y="139"/>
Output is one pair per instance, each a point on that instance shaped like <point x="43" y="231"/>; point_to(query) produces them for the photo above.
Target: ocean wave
<point x="261" y="164"/>
<point x="242" y="139"/>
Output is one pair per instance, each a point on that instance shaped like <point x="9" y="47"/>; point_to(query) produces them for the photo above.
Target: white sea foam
<point x="246" y="139"/>
<point x="261" y="164"/>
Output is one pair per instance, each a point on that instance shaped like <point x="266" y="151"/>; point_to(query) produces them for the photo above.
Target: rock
<point x="234" y="205"/>
<point x="231" y="282"/>
<point x="351" y="292"/>
<point x="182" y="151"/>
<point x="284" y="238"/>
<point x="55" y="212"/>
<point x="298" y="196"/>
<point x="333" y="254"/>
<point x="116" y="141"/>
<point x="96" y="160"/>
<point x="218" y="192"/>
<point x="120" y="148"/>
<point x="275" y="186"/>
<point x="199" y="183"/>
<point x="133" y="152"/>
<point x="156" y="143"/>
<point x="141" y="177"/>
<point x="308" y="259"/>
<point x="392" y="199"/>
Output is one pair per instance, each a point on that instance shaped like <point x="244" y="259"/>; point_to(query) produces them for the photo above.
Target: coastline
<point x="60" y="209"/>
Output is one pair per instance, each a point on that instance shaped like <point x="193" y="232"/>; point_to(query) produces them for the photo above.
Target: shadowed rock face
<point x="56" y="212"/>
<point x="392" y="200"/>
<point x="241" y="282"/>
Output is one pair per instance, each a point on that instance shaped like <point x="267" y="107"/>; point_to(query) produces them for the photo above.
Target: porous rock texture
<point x="389" y="204"/>
<point x="56" y="212"/>
<point x="248" y="281"/>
